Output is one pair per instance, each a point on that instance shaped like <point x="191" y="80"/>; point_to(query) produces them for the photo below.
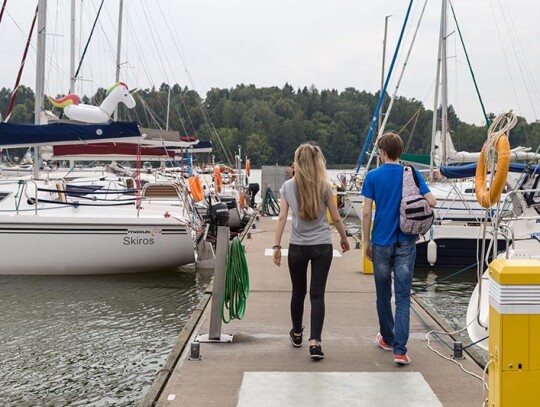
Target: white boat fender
<point x="432" y="252"/>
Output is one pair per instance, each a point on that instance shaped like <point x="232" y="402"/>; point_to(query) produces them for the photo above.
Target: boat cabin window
<point x="3" y="195"/>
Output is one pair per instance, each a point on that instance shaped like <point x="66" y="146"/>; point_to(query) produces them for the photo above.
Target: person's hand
<point x="344" y="243"/>
<point x="277" y="256"/>
<point x="368" y="251"/>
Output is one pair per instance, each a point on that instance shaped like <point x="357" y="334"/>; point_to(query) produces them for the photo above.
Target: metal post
<point x="222" y="246"/>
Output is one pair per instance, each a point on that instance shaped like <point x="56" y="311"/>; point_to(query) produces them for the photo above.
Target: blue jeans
<point x="299" y="257"/>
<point x="398" y="258"/>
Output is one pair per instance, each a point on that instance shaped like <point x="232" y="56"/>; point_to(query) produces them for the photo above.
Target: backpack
<point x="415" y="214"/>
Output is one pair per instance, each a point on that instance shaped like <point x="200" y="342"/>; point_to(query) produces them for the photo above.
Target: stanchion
<point x="220" y="265"/>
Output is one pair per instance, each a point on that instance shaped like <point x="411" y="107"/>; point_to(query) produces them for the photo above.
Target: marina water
<point x="90" y="340"/>
<point x="100" y="340"/>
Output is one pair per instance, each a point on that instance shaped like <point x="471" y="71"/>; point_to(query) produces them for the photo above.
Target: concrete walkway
<point x="261" y="368"/>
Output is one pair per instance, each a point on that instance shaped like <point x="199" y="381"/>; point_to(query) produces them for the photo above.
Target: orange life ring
<point x="248" y="167"/>
<point x="217" y="178"/>
<point x="489" y="197"/>
<point x="195" y="187"/>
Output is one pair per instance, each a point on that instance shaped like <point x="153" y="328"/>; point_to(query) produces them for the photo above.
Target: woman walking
<point x="308" y="194"/>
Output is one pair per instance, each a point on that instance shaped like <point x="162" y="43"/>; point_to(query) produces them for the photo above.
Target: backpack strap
<point x="410" y="181"/>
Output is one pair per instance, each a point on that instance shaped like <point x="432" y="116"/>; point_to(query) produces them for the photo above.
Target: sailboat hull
<point x="456" y="252"/>
<point x="41" y="245"/>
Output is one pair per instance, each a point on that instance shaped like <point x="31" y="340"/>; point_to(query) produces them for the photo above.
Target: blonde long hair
<point x="311" y="179"/>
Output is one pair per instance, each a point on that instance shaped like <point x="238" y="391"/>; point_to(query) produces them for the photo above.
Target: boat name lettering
<point x="138" y="241"/>
<point x="152" y="232"/>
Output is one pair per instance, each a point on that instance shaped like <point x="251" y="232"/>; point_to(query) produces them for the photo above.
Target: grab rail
<point x="23" y="189"/>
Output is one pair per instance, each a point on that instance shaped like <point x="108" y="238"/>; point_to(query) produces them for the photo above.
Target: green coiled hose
<point x="270" y="204"/>
<point x="236" y="283"/>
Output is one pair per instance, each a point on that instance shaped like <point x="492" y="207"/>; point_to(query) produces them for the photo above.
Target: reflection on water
<point x="90" y="340"/>
<point x="448" y="294"/>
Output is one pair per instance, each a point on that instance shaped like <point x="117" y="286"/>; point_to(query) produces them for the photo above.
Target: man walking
<point x="389" y="248"/>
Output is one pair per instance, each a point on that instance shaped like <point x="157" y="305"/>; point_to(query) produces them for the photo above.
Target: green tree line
<point x="270" y="122"/>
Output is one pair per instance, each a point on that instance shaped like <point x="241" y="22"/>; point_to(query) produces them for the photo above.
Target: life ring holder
<point x="489" y="197"/>
<point x="195" y="187"/>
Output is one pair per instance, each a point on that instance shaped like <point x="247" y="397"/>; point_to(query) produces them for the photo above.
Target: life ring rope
<point x="497" y="141"/>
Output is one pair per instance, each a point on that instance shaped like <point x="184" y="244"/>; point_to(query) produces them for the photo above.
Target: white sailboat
<point x="525" y="245"/>
<point x="44" y="232"/>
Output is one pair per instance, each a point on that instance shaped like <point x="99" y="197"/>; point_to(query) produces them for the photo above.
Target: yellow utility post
<point x="335" y="198"/>
<point x="514" y="333"/>
<point x="367" y="265"/>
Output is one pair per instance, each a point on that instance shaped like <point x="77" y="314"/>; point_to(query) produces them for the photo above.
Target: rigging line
<point x="383" y="92"/>
<point x="88" y="41"/>
<point x="512" y="42"/>
<point x="164" y="18"/>
<point x="415" y="116"/>
<point x="176" y="42"/>
<point x="133" y="34"/>
<point x="470" y="65"/>
<point x="226" y="155"/>
<point x="392" y="99"/>
<point x="158" y="46"/>
<point x="3" y="8"/>
<point x="182" y="121"/>
<point x="514" y="39"/>
<point x="504" y="54"/>
<point x="21" y="68"/>
<point x="152" y="114"/>
<point x="149" y="24"/>
<point x="182" y="99"/>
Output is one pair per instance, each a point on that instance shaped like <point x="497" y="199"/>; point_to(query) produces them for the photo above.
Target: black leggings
<point x="321" y="258"/>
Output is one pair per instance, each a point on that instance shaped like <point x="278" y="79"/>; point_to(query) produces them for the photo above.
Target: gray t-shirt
<point x="306" y="232"/>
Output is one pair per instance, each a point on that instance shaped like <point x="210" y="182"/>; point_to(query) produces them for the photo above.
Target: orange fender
<point x="217" y="178"/>
<point x="195" y="187"/>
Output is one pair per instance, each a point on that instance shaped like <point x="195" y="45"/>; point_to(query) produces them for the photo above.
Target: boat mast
<point x="118" y="50"/>
<point x="72" y="50"/>
<point x="442" y="34"/>
<point x="383" y="63"/>
<point x="444" y="84"/>
<point x="40" y="74"/>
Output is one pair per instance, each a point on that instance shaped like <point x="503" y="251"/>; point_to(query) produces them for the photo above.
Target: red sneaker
<point x="382" y="344"/>
<point x="402" y="359"/>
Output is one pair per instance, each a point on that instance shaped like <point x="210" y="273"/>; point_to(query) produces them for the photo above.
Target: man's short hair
<point x="392" y="145"/>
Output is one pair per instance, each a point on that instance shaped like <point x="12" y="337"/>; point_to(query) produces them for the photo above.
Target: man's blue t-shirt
<point x="384" y="186"/>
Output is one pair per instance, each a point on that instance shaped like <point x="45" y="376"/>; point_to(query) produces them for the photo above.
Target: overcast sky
<point x="329" y="44"/>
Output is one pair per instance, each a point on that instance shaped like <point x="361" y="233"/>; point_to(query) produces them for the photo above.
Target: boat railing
<point x="24" y="192"/>
<point x="508" y="233"/>
<point x="167" y="190"/>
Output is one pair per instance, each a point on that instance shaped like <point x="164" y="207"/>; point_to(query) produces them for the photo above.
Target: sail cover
<point x="114" y="151"/>
<point x="22" y="135"/>
<point x="469" y="170"/>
